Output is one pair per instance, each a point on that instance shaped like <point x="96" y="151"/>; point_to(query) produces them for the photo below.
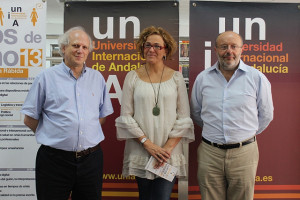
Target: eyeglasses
<point x="155" y="46"/>
<point x="225" y="47"/>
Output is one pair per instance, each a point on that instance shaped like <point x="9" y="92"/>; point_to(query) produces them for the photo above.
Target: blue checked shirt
<point x="68" y="109"/>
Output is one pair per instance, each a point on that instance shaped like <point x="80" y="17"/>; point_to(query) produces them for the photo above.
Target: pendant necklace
<point x="156" y="109"/>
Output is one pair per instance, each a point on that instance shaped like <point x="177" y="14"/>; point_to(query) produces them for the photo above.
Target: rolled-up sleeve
<point x="105" y="108"/>
<point x="33" y="104"/>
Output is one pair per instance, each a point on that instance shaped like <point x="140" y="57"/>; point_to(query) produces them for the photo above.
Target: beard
<point x="228" y="65"/>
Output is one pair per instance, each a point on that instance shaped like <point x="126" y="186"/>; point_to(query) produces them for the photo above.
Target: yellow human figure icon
<point x="1" y="16"/>
<point x="34" y="16"/>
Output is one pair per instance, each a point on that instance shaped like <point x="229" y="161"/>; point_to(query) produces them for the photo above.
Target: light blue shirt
<point x="233" y="111"/>
<point x="68" y="109"/>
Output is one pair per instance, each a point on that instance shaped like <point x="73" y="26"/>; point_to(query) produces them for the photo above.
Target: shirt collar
<point x="242" y="66"/>
<point x="69" y="71"/>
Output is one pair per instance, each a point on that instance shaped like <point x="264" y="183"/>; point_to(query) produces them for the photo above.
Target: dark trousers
<point x="157" y="189"/>
<point x="60" y="173"/>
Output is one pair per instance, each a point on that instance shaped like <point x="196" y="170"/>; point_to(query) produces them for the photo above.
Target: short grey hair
<point x="64" y="39"/>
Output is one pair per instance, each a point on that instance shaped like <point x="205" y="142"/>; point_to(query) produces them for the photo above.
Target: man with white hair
<point x="65" y="108"/>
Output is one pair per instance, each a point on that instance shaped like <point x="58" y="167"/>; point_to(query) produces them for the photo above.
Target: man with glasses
<point x="232" y="102"/>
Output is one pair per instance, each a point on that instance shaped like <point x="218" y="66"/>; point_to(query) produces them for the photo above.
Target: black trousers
<point x="59" y="174"/>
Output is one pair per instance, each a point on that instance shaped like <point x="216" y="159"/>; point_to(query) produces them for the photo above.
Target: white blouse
<point x="136" y="120"/>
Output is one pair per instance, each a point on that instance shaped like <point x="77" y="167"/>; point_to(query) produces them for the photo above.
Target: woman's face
<point x="154" y="49"/>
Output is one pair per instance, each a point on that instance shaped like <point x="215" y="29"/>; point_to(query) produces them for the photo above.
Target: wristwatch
<point x="143" y="140"/>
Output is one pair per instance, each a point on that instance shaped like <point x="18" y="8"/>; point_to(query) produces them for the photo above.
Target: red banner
<point x="114" y="26"/>
<point x="271" y="45"/>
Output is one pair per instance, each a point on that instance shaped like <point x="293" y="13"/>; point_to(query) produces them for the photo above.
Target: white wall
<point x="55" y="14"/>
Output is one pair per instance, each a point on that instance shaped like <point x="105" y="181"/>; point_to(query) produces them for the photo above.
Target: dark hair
<point x="169" y="41"/>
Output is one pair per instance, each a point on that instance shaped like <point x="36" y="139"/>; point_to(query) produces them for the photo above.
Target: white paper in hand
<point x="166" y="171"/>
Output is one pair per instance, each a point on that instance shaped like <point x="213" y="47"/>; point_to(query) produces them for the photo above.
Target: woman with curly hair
<point x="155" y="116"/>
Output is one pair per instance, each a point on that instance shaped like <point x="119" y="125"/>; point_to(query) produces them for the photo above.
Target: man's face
<point x="76" y="52"/>
<point x="229" y="50"/>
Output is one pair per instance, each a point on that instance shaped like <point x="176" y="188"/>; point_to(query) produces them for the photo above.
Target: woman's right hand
<point x="160" y="154"/>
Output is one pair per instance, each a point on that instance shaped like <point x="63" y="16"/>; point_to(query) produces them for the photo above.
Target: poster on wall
<point x="22" y="57"/>
<point x="114" y="28"/>
<point x="271" y="45"/>
<point x="184" y="50"/>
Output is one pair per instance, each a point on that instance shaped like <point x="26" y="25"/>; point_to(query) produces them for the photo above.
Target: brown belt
<point x="229" y="146"/>
<point x="76" y="154"/>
